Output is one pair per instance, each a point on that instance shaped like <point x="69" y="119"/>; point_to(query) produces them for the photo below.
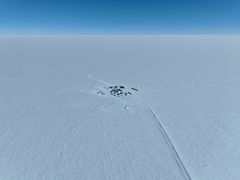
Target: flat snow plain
<point x="120" y="107"/>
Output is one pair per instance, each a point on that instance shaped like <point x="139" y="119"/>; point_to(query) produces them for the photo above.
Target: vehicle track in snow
<point x="170" y="145"/>
<point x="162" y="130"/>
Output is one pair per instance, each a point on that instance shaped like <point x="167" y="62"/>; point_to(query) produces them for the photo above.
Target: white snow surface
<point x="177" y="118"/>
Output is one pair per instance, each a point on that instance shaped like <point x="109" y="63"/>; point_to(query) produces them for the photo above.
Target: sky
<point x="120" y="16"/>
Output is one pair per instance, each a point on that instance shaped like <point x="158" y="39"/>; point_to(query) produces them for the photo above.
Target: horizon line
<point x="119" y="34"/>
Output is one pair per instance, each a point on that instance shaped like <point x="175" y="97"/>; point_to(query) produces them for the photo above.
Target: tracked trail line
<point x="171" y="146"/>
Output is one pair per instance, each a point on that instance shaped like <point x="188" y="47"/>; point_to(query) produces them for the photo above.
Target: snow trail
<point x="93" y="77"/>
<point x="171" y="146"/>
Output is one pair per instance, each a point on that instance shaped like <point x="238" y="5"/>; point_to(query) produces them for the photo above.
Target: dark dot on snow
<point x="122" y="87"/>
